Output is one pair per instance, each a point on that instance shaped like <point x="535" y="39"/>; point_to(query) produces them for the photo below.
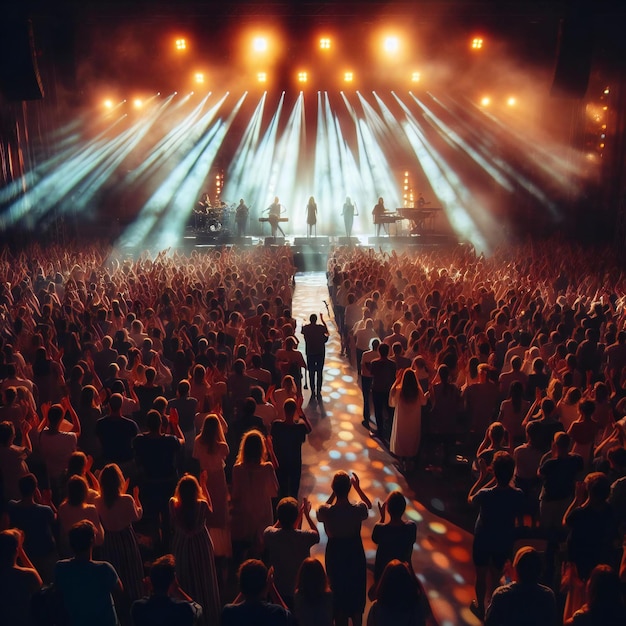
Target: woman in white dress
<point x="211" y="450"/>
<point x="254" y="484"/>
<point x="408" y="398"/>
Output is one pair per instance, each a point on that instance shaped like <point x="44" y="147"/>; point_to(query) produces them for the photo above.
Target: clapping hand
<point x="382" y="509"/>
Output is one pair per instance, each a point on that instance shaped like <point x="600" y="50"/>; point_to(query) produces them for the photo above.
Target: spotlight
<point x="391" y="45"/>
<point x="325" y="43"/>
<point x="108" y="104"/>
<point x="606" y="91"/>
<point x="415" y="77"/>
<point x="348" y="77"/>
<point x="477" y="43"/>
<point x="199" y="78"/>
<point x="259" y="44"/>
<point x="486" y="101"/>
<point x="261" y="77"/>
<point x="137" y="103"/>
<point x="302" y="77"/>
<point x="511" y="101"/>
<point x="181" y="44"/>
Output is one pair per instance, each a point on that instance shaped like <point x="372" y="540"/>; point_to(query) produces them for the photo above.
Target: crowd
<point x="152" y="422"/>
<point x="516" y="362"/>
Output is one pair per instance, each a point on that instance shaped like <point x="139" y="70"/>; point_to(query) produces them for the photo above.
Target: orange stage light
<point x="181" y="44"/>
<point x="477" y="43"/>
<point x="325" y="43"/>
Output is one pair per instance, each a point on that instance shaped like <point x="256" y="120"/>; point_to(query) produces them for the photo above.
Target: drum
<point x="214" y="225"/>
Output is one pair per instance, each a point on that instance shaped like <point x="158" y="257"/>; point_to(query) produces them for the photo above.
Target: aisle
<point x="442" y="555"/>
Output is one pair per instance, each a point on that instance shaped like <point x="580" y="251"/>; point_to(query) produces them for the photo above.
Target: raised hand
<point x="382" y="509"/>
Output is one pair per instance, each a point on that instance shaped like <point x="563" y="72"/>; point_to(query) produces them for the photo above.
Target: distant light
<point x="137" y="103"/>
<point x="391" y="45"/>
<point x="325" y="43"/>
<point x="158" y="93"/>
<point x="415" y="77"/>
<point x="606" y="91"/>
<point x="108" y="104"/>
<point x="477" y="43"/>
<point x="261" y="77"/>
<point x="511" y="101"/>
<point x="348" y="77"/>
<point x="406" y="173"/>
<point x="259" y="44"/>
<point x="486" y="101"/>
<point x="199" y="78"/>
<point x="181" y="44"/>
<point x="302" y="77"/>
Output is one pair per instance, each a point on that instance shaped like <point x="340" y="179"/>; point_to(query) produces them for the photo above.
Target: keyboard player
<point x="378" y="213"/>
<point x="275" y="209"/>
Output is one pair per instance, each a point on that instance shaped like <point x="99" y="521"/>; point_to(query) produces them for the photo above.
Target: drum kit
<point x="214" y="219"/>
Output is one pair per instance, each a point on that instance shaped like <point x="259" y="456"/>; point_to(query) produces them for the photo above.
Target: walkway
<point x="442" y="555"/>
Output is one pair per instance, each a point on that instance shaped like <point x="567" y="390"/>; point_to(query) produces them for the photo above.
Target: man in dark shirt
<point x="383" y="371"/>
<point x="87" y="586"/>
<point x="186" y="406"/>
<point x="288" y="435"/>
<point x="494" y="532"/>
<point x="559" y="474"/>
<point x="315" y="338"/>
<point x="146" y="394"/>
<point x="156" y="456"/>
<point x="37" y="522"/>
<point x="168" y="604"/>
<point x="116" y="434"/>
<point x="253" y="608"/>
<point x="524" y="601"/>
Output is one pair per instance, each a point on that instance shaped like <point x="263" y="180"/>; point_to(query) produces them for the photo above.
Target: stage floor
<point x="442" y="554"/>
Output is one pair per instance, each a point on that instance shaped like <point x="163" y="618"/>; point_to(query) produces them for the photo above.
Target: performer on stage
<point x="205" y="201"/>
<point x="311" y="216"/>
<point x="349" y="212"/>
<point x="275" y="209"/>
<point x="241" y="218"/>
<point x="377" y="213"/>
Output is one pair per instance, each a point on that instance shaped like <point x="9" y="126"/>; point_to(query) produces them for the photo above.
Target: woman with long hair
<point x="118" y="512"/>
<point x="288" y="389"/>
<point x="254" y="484"/>
<point x="408" y="398"/>
<point x="89" y="413"/>
<point x="400" y="599"/>
<point x="211" y="450"/>
<point x="311" y="216"/>
<point x="605" y="602"/>
<point x="345" y="556"/>
<point x="313" y="600"/>
<point x="512" y="412"/>
<point x="190" y="510"/>
<point x="75" y="509"/>
<point x="199" y="388"/>
<point x="446" y="405"/>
